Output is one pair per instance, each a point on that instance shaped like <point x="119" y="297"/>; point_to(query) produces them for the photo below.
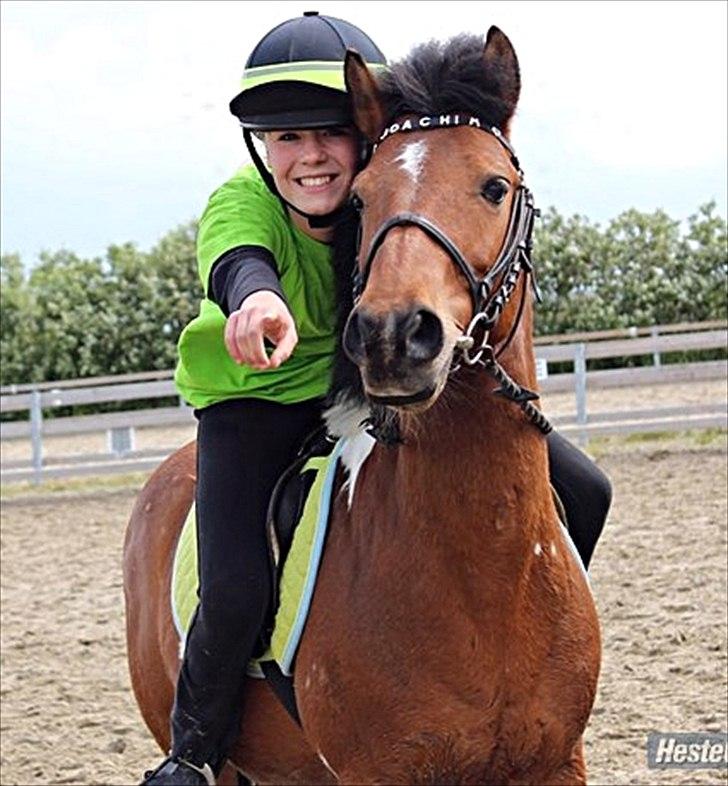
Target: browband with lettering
<point x="430" y="122"/>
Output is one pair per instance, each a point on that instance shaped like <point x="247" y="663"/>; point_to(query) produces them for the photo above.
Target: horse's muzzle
<point x="394" y="350"/>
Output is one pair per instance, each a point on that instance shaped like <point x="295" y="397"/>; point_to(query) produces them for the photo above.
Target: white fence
<point x="119" y="426"/>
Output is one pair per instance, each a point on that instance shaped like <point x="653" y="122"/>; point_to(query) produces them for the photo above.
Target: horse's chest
<point x="390" y="726"/>
<point x="418" y="691"/>
<point x="415" y="675"/>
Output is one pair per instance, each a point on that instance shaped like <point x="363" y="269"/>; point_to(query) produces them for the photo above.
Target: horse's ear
<point x="366" y="100"/>
<point x="501" y="65"/>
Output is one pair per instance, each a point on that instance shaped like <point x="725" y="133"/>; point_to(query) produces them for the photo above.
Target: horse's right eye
<point x="356" y="202"/>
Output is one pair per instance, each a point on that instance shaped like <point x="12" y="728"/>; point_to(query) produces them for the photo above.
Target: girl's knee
<point x="600" y="491"/>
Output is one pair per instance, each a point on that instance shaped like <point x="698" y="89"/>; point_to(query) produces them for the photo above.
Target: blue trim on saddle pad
<point x="285" y="661"/>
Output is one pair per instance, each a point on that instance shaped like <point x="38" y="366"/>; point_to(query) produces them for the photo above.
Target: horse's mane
<point x="441" y="78"/>
<point x="346" y="381"/>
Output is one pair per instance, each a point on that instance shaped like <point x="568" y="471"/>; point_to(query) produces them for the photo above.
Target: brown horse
<point x="452" y="636"/>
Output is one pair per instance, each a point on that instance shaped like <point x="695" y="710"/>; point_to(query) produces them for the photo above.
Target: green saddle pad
<point x="298" y="577"/>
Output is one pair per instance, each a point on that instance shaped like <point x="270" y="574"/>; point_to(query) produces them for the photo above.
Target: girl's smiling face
<point x="313" y="169"/>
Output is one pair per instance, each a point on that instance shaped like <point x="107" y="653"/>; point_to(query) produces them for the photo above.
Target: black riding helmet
<point x="294" y="78"/>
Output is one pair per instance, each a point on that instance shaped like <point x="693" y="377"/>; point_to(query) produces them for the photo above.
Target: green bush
<point x="640" y="270"/>
<point x="71" y="317"/>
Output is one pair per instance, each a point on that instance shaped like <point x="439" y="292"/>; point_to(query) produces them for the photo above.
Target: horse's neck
<point x="474" y="467"/>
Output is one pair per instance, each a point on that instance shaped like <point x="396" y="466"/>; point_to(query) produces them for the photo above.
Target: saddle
<point x="297" y="523"/>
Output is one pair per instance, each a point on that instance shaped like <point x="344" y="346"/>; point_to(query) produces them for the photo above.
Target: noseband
<point x="488" y="302"/>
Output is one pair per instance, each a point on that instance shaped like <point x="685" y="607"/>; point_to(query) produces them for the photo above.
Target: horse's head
<point x="441" y="208"/>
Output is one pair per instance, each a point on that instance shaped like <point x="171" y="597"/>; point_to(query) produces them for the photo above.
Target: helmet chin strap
<point x="314" y="221"/>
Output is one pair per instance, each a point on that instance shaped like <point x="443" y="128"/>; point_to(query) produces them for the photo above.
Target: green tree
<point x="640" y="272"/>
<point x="129" y="317"/>
<point x="74" y="317"/>
<point x="69" y="296"/>
<point x="18" y="352"/>
<point x="703" y="253"/>
<point x="568" y="254"/>
<point x="153" y="297"/>
<point x="179" y="290"/>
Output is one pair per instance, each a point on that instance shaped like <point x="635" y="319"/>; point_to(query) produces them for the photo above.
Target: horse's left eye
<point x="495" y="190"/>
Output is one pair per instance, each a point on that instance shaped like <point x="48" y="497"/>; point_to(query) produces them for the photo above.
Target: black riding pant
<point x="243" y="447"/>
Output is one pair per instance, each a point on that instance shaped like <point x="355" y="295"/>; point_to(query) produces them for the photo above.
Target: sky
<point x="115" y="124"/>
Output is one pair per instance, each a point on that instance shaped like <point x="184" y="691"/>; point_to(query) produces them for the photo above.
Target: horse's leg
<point x="573" y="773"/>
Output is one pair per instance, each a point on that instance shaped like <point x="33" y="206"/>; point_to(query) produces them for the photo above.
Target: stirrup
<point x="205" y="771"/>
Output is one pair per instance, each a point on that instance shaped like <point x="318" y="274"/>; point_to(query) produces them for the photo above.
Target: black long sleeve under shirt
<point x="240" y="272"/>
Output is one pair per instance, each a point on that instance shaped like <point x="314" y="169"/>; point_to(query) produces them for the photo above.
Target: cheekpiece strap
<point x="432" y="122"/>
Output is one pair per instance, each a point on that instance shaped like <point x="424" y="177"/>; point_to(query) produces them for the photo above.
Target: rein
<point x="488" y="302"/>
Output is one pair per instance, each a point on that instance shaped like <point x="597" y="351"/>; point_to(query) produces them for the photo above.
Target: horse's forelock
<point x="440" y="78"/>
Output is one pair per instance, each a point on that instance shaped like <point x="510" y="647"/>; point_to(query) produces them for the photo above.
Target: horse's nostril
<point x="359" y="333"/>
<point x="423" y="335"/>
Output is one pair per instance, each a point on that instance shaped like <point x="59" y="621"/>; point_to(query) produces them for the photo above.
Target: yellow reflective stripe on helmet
<point x="324" y="73"/>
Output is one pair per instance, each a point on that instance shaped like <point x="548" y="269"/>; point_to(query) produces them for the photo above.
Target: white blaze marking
<point x="412" y="158"/>
<point x="537" y="549"/>
<point x="553" y="548"/>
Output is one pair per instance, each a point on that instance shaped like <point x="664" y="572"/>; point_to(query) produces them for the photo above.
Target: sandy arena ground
<point x="659" y="577"/>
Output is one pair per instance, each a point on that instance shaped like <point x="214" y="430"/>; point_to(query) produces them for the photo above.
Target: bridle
<point x="488" y="300"/>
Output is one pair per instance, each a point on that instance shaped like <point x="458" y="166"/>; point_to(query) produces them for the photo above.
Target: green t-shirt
<point x="243" y="212"/>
